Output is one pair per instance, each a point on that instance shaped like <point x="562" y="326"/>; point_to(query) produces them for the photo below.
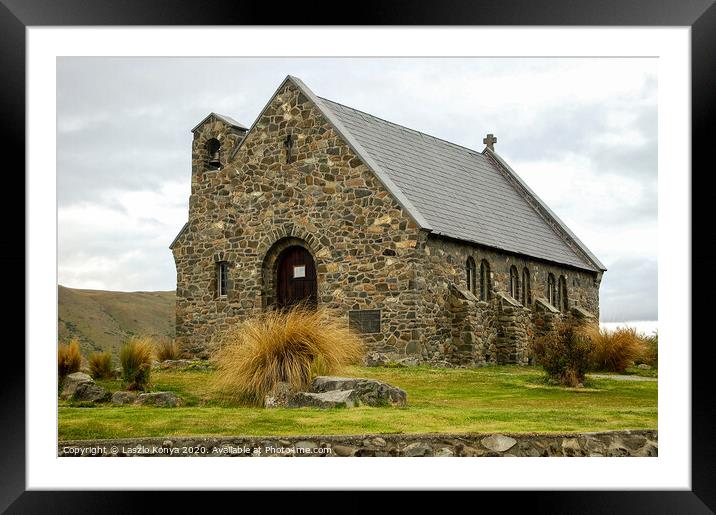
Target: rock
<point x="410" y="361"/>
<point x="90" y="392"/>
<point x="571" y="447"/>
<point x="305" y="447"/>
<point x="169" y="364"/>
<point x="280" y="396"/>
<point x="343" y="450"/>
<point x="644" y="366"/>
<point x="124" y="398"/>
<point x="378" y="442"/>
<point x="498" y="443"/>
<point x="332" y="399"/>
<point x="159" y="399"/>
<point x="444" y="452"/>
<point x="441" y="363"/>
<point x="181" y="364"/>
<point x="72" y="381"/>
<point x="375" y="359"/>
<point x="417" y="449"/>
<point x="369" y="391"/>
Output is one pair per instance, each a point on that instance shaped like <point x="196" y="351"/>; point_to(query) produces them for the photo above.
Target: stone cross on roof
<point x="490" y="141"/>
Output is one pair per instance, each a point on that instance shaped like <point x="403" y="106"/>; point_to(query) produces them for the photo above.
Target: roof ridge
<point x="476" y="152"/>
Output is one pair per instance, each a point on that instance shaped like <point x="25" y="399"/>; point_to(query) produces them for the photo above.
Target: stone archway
<point x="289" y="274"/>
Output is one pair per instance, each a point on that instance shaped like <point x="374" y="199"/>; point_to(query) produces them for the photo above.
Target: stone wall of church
<point x="324" y="199"/>
<point x="505" y="324"/>
<point x="369" y="253"/>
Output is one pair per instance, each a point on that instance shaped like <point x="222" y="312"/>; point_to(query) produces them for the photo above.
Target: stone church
<point x="427" y="248"/>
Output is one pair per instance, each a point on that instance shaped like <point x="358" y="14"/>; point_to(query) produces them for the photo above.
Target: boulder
<point x="369" y="391"/>
<point x="331" y="399"/>
<point x="124" y="398"/>
<point x="499" y="443"/>
<point x="417" y="449"/>
<point x="90" y="392"/>
<point x="159" y="399"/>
<point x="72" y="381"/>
<point x="280" y="396"/>
<point x="644" y="366"/>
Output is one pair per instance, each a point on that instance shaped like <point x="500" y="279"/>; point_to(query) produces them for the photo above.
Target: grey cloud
<point x="124" y="126"/>
<point x="629" y="290"/>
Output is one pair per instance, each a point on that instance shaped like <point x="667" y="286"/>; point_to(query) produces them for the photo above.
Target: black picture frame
<point x="16" y="15"/>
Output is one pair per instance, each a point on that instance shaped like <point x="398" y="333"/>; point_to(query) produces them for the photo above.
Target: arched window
<point x="471" y="275"/>
<point x="213" y="154"/>
<point x="551" y="293"/>
<point x="514" y="283"/>
<point x="562" y="295"/>
<point x="485" y="281"/>
<point x="526" y="287"/>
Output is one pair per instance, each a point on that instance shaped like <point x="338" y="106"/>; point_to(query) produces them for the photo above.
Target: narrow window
<point x="514" y="283"/>
<point x="288" y="143"/>
<point x="526" y="287"/>
<point x="222" y="273"/>
<point x="551" y="290"/>
<point x="213" y="154"/>
<point x="471" y="273"/>
<point x="485" y="279"/>
<point x="562" y="295"/>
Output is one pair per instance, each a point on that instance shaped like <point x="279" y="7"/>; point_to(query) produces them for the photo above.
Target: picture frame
<point x="16" y="16"/>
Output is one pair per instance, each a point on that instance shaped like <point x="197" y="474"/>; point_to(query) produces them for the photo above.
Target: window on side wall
<point x="222" y="276"/>
<point x="551" y="293"/>
<point x="514" y="283"/>
<point x="526" y="287"/>
<point x="471" y="272"/>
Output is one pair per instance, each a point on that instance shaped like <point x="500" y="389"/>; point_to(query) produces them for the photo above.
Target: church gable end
<point x="294" y="182"/>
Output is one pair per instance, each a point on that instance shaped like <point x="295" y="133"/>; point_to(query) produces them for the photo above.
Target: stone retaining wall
<point x="636" y="443"/>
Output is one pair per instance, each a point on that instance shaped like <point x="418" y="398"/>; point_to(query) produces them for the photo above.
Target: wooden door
<point x="296" y="278"/>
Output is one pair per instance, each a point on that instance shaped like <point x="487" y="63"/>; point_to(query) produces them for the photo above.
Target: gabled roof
<point x="462" y="193"/>
<point x="226" y="119"/>
<point x="451" y="190"/>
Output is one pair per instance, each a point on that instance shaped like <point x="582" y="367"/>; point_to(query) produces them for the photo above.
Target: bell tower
<point x="215" y="138"/>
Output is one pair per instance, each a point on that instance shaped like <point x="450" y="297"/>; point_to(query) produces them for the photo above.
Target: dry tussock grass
<point x="100" y="365"/>
<point x="614" y="350"/>
<point x="69" y="358"/>
<point x="290" y="346"/>
<point x="135" y="357"/>
<point x="166" y="348"/>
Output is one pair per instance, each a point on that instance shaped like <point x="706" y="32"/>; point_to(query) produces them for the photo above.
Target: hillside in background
<point x="102" y="320"/>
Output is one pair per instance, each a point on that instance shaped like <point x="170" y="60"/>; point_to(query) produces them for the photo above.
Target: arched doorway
<point x="295" y="277"/>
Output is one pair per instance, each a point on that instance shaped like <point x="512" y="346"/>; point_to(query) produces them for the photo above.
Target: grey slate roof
<point x="460" y="192"/>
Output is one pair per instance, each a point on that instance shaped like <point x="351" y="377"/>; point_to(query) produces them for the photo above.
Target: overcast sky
<point x="581" y="132"/>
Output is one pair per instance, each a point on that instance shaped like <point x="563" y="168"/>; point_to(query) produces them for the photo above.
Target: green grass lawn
<point x="490" y="399"/>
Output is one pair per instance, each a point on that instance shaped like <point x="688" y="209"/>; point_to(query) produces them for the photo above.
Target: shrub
<point x="281" y="346"/>
<point x="615" y="350"/>
<point x="166" y="348"/>
<point x="563" y="353"/>
<point x="100" y="365"/>
<point x="69" y="358"/>
<point x="135" y="357"/>
<point x="650" y="351"/>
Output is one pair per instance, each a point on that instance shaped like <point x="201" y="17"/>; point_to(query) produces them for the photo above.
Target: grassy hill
<point x="102" y="320"/>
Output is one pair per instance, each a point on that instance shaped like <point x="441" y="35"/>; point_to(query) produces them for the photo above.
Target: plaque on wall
<point x="365" y="321"/>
